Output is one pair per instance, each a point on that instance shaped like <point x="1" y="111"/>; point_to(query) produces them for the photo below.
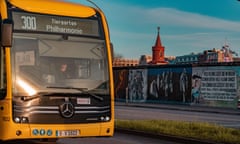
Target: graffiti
<point x="137" y="84"/>
<point x="215" y="85"/>
<point x="196" y="85"/>
<point x="218" y="85"/>
<point x="162" y="86"/>
<point x="169" y="84"/>
<point x="120" y="82"/>
<point x="183" y="84"/>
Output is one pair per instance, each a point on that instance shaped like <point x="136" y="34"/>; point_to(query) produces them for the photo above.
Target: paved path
<point x="196" y="108"/>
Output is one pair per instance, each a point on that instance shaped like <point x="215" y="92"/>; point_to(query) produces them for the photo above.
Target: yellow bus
<point x="56" y="71"/>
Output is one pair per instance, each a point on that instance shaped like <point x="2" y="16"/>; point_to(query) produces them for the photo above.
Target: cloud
<point x="174" y="17"/>
<point x="133" y="30"/>
<point x="169" y="16"/>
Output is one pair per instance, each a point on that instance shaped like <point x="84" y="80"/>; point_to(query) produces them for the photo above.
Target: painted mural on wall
<point x="216" y="86"/>
<point x="137" y="85"/>
<point x="120" y="83"/>
<point x="199" y="85"/>
<point x="169" y="84"/>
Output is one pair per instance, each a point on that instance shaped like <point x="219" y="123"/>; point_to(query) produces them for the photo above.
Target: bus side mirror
<point x="6" y="34"/>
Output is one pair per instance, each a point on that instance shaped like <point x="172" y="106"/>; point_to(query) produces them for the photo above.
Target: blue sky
<point x="186" y="25"/>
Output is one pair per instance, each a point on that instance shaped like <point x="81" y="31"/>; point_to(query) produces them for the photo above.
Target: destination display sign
<point x="55" y="24"/>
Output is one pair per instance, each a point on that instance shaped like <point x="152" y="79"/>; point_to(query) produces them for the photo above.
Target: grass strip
<point x="196" y="130"/>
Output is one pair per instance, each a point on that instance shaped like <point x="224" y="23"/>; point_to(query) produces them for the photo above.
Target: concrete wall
<point x="216" y="85"/>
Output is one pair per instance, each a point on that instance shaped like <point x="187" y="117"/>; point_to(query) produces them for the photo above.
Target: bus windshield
<point x="47" y="63"/>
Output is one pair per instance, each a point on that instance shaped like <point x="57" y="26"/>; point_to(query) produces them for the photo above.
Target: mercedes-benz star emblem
<point x="66" y="109"/>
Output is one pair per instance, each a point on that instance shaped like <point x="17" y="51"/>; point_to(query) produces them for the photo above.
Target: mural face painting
<point x="199" y="85"/>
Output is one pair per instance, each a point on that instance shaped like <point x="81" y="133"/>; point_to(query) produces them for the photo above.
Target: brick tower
<point x="158" y="51"/>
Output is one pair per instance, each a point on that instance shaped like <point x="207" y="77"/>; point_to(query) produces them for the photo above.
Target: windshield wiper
<point x="83" y="90"/>
<point x="38" y="95"/>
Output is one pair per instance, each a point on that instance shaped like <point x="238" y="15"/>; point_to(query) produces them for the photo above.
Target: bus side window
<point x="2" y="74"/>
<point x="6" y="41"/>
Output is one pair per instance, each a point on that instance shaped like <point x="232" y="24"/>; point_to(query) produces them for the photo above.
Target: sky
<point x="186" y="26"/>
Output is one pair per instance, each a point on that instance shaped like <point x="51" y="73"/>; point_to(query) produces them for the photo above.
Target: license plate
<point x="64" y="133"/>
<point x="83" y="101"/>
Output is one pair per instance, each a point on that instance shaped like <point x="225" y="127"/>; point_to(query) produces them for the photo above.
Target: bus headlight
<point x="107" y="118"/>
<point x="17" y="119"/>
<point x="104" y="118"/>
<point x="24" y="120"/>
<point x="21" y="119"/>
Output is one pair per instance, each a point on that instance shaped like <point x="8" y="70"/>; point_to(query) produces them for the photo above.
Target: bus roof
<point x="56" y="7"/>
